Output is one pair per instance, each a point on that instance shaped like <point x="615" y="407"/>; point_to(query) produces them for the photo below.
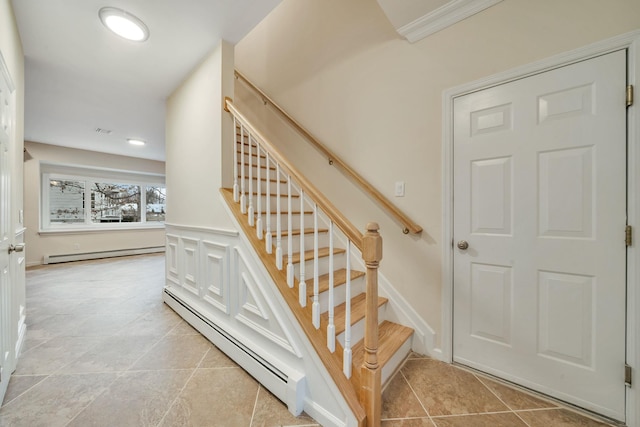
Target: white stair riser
<point x="357" y="329"/>
<point x="323" y="266"/>
<point x="295" y="222"/>
<point x="339" y="293"/>
<point x="396" y="360"/>
<point x="254" y="171"/>
<point x="263" y="185"/>
<point x="323" y="241"/>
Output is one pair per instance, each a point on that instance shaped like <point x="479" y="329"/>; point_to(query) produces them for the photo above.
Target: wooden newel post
<point x="371" y="391"/>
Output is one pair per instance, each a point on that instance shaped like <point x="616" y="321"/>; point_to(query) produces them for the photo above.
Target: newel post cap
<point x="372" y="244"/>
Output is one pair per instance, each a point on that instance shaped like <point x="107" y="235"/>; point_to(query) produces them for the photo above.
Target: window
<point x="84" y="199"/>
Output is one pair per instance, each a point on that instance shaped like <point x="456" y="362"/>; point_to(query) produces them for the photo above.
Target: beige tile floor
<point x="103" y="350"/>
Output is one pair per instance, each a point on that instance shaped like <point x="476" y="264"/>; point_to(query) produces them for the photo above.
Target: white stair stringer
<point x="218" y="284"/>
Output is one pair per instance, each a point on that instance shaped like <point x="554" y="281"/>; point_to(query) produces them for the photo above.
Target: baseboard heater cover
<point x="54" y="259"/>
<point x="288" y="387"/>
<point x="275" y="371"/>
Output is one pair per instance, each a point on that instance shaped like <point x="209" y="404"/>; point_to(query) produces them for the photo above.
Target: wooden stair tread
<point x="339" y="278"/>
<point x="322" y="252"/>
<point x="306" y="231"/>
<point x="358" y="311"/>
<point x="252" y="154"/>
<point x="271" y="194"/>
<point x="284" y="212"/>
<point x="391" y="336"/>
<point x="263" y="179"/>
<point x="253" y="165"/>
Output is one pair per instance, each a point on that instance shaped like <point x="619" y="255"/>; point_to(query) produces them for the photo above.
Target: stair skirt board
<point x="54" y="259"/>
<point x="289" y="387"/>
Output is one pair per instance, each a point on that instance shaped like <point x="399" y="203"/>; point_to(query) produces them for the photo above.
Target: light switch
<point x="399" y="189"/>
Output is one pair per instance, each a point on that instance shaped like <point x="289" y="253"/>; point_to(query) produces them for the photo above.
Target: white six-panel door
<point x="6" y="123"/>
<point x="540" y="199"/>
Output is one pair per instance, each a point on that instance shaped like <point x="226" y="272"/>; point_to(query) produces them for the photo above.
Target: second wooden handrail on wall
<point x="408" y="225"/>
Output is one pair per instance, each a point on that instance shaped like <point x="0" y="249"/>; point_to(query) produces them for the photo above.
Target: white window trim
<point x="88" y="175"/>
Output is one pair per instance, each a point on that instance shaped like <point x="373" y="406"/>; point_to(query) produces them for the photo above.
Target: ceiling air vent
<point x="103" y="131"/>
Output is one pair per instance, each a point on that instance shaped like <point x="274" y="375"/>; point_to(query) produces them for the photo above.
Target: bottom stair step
<point x="393" y="339"/>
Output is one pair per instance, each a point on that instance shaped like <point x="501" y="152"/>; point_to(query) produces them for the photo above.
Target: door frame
<point x="630" y="41"/>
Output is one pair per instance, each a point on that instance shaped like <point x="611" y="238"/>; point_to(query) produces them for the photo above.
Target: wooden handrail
<point x="350" y="231"/>
<point x="408" y="224"/>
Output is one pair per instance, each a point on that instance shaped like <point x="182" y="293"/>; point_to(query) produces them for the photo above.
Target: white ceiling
<point x="80" y="76"/>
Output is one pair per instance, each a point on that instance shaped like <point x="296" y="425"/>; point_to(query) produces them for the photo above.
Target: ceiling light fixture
<point x="124" y="24"/>
<point x="136" y="141"/>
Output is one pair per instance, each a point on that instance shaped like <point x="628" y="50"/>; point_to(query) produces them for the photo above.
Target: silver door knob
<point x="16" y="248"/>
<point x="463" y="244"/>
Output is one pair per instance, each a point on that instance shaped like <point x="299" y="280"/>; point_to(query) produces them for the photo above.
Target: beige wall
<point x="39" y="245"/>
<point x="195" y="126"/>
<point x="11" y="48"/>
<point x="376" y="100"/>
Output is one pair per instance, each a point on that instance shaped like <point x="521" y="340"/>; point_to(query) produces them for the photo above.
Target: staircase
<point x="324" y="267"/>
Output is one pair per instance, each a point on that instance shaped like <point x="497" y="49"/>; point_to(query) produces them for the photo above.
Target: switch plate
<point x="399" y="189"/>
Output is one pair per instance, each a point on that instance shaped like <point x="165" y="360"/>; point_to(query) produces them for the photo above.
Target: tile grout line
<point x="92" y="400"/>
<point x="499" y="398"/>
<point x="151" y="348"/>
<point x="417" y="398"/>
<point x="119" y="374"/>
<point x="24" y="392"/>
<point x="255" y="405"/>
<point x="173" y="402"/>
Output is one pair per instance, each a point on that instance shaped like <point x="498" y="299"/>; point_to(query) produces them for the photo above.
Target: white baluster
<point x="290" y="236"/>
<point x="268" y="237"/>
<point x="315" y="308"/>
<point x="331" y="329"/>
<point x="278" y="221"/>
<point x="259" y="196"/>
<point x="302" y="286"/>
<point x="251" y="212"/>
<point x="243" y="197"/>
<point x="346" y="359"/>
<point x="236" y="191"/>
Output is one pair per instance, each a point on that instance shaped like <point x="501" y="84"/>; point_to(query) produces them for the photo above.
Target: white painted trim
<point x="4" y="69"/>
<point x="400" y="311"/>
<point x="630" y="41"/>
<point x="222" y="231"/>
<point x="443" y="17"/>
<point x="633" y="218"/>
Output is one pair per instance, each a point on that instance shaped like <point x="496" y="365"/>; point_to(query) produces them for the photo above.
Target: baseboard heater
<point x="54" y="259"/>
<point x="240" y="346"/>
<point x="289" y="386"/>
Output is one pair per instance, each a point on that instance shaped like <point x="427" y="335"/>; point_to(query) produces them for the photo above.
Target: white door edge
<point x="630" y="41"/>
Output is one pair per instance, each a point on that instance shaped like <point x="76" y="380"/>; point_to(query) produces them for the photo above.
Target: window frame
<point x="89" y="176"/>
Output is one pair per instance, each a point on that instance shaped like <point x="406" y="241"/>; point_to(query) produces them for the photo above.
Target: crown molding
<point x="443" y="17"/>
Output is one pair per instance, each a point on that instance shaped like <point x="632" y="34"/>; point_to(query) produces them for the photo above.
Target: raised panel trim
<point x="222" y="290"/>
<point x="189" y="279"/>
<point x="258" y="309"/>
<point x="583" y="318"/>
<point x="173" y="273"/>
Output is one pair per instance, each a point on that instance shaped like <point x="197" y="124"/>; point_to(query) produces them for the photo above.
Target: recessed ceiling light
<point x="124" y="24"/>
<point x="136" y="141"/>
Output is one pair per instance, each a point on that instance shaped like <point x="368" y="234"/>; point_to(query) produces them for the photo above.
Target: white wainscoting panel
<point x="218" y="284"/>
<point x="215" y="262"/>
<point x="172" y="259"/>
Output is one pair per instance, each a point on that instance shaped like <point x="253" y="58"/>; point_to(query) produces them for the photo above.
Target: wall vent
<point x="103" y="131"/>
